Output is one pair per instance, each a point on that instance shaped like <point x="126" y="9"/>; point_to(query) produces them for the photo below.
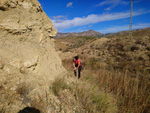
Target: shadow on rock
<point x="29" y="110"/>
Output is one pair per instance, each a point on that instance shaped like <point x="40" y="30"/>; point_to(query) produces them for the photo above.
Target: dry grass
<point x="2" y="110"/>
<point x="94" y="100"/>
<point x="123" y="71"/>
<point x="58" y="85"/>
<point x="132" y="92"/>
<point x="66" y="43"/>
<point x="90" y="99"/>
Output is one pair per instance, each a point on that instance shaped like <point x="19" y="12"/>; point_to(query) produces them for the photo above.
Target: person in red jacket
<point x="77" y="66"/>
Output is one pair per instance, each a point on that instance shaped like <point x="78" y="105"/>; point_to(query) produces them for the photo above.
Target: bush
<point x="58" y="85"/>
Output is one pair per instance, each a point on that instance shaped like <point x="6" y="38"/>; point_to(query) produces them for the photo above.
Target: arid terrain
<point x="36" y="72"/>
<point x="90" y="33"/>
<point x="117" y="64"/>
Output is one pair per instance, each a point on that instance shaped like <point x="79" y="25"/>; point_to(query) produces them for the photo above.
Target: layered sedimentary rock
<point x="27" y="54"/>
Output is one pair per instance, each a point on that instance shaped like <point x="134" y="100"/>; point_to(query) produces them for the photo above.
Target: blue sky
<point x="105" y="16"/>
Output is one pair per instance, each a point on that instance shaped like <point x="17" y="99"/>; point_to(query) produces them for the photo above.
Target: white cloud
<point x="90" y="25"/>
<point x="106" y="2"/>
<point x="92" y="19"/>
<point x="113" y="3"/>
<point x="123" y="28"/>
<point x="69" y="4"/>
<point x="59" y="17"/>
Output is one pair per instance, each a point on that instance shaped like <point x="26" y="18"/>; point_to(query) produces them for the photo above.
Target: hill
<point x="90" y="33"/>
<point x="136" y="33"/>
<point x="113" y="47"/>
<point x="117" y="64"/>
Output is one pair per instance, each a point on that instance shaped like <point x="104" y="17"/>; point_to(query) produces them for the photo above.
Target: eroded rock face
<point x="27" y="54"/>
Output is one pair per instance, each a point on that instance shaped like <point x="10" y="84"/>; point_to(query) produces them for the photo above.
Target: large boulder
<point x="27" y="53"/>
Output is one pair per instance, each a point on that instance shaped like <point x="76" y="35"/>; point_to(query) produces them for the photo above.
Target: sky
<point x="105" y="16"/>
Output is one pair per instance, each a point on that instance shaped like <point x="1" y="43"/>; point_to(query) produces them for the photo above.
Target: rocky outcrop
<point x="27" y="55"/>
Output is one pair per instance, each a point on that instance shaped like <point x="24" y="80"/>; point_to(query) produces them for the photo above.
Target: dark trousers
<point x="79" y="71"/>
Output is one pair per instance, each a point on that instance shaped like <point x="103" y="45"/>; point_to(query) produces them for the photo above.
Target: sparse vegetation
<point x="136" y="33"/>
<point x="132" y="93"/>
<point x="2" y="110"/>
<point x="66" y="43"/>
<point x="90" y="98"/>
<point x="114" y="80"/>
<point x="58" y="85"/>
<point x="94" y="100"/>
<point x="122" y="70"/>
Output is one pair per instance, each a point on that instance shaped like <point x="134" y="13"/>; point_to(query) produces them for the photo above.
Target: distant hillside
<point x="91" y="33"/>
<point x="137" y="32"/>
<point x="117" y="64"/>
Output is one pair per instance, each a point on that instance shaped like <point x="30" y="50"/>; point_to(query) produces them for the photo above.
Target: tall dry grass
<point x="132" y="92"/>
<point x="84" y="95"/>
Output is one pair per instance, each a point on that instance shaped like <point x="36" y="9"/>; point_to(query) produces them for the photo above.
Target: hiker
<point x="77" y="66"/>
